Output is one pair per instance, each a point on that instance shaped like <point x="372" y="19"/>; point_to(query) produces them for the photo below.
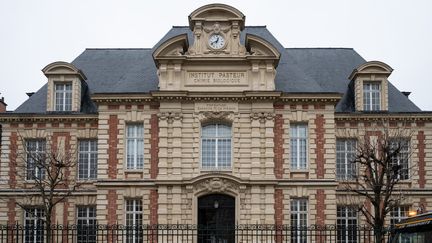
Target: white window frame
<point x="347" y="154"/>
<point x="299" y="236"/>
<point x="346" y="218"/>
<point x="368" y="95"/>
<point x="91" y="157"/>
<point x="32" y="155"/>
<point x="296" y="163"/>
<point x="34" y="215"/>
<point x="62" y="95"/>
<point x="404" y="161"/>
<point x="217" y="140"/>
<point x="399" y="213"/>
<point x="132" y="235"/>
<point x="89" y="220"/>
<point x="136" y="139"/>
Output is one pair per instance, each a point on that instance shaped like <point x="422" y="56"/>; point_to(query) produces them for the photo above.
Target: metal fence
<point x="182" y="233"/>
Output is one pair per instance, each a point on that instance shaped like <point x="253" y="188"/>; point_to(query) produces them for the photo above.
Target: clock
<point x="216" y="41"/>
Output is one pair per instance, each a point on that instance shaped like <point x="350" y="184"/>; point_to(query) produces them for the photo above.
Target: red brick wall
<point x="421" y="157"/>
<point x="320" y="141"/>
<point x="154" y="146"/>
<point x="67" y="147"/>
<point x="113" y="132"/>
<point x="112" y="207"/>
<point x="154" y="196"/>
<point x="11" y="211"/>
<point x="320" y="197"/>
<point x="12" y="159"/>
<point x="278" y="146"/>
<point x="278" y="206"/>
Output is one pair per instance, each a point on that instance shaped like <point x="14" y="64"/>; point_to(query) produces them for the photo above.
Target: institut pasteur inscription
<point x="217" y="78"/>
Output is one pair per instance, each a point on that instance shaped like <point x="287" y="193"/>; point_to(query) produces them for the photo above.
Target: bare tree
<point x="44" y="169"/>
<point x="381" y="163"/>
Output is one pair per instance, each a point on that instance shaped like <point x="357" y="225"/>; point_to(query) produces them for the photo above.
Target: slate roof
<point x="300" y="70"/>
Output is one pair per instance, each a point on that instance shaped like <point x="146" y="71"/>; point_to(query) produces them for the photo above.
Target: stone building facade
<point x="217" y="109"/>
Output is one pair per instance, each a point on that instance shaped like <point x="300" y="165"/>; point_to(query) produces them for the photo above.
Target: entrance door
<point x="216" y="219"/>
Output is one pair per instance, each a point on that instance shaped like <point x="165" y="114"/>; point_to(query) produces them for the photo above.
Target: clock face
<point x="216" y="41"/>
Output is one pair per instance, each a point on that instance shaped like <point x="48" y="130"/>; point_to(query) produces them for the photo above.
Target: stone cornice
<point x="121" y="97"/>
<point x="25" y="117"/>
<point x="216" y="96"/>
<point x="311" y="97"/>
<point x="409" y="116"/>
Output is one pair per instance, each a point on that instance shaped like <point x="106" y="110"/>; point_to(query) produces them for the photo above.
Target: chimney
<point x="2" y="105"/>
<point x="406" y="93"/>
<point x="29" y="94"/>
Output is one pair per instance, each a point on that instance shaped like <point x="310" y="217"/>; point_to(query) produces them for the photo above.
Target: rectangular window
<point x="134" y="216"/>
<point x="299" y="137"/>
<point x="135" y="146"/>
<point x="216" y="147"/>
<point x="86" y="224"/>
<point x="346" y="224"/>
<point x="401" y="158"/>
<point x="35" y="161"/>
<point x="299" y="211"/>
<point x="372" y="96"/>
<point x="63" y="96"/>
<point x="87" y="159"/>
<point x="33" y="225"/>
<point x="398" y="213"/>
<point x="345" y="155"/>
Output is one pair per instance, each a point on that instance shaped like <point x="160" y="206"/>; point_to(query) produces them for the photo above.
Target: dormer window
<point x="370" y="86"/>
<point x="64" y="89"/>
<point x="372" y="96"/>
<point x="63" y="96"/>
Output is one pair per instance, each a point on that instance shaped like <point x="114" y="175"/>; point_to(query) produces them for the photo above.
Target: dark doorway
<point x="216" y="219"/>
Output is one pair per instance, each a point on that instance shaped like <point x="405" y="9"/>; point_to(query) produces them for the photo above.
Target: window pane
<point x="216" y="149"/>
<point x="346" y="224"/>
<point x="35" y="160"/>
<point x="87" y="159"/>
<point x="298" y="146"/>
<point x="135" y="146"/>
<point x="371" y="96"/>
<point x="86" y="224"/>
<point x="63" y="96"/>
<point x="134" y="221"/>
<point x="299" y="220"/>
<point x="33" y="225"/>
<point x="345" y="155"/>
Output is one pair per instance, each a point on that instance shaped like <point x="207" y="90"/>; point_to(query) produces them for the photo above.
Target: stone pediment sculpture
<point x="216" y="28"/>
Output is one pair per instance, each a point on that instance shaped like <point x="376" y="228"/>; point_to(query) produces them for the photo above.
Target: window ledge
<point x="86" y="181"/>
<point x="299" y="171"/>
<point x="216" y="169"/>
<point x="134" y="171"/>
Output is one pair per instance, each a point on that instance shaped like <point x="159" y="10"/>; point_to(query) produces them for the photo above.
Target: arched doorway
<point x="216" y="219"/>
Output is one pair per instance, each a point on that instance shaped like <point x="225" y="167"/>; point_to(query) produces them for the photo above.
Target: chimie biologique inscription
<point x="217" y="78"/>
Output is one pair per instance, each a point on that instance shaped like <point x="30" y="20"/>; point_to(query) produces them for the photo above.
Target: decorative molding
<point x="209" y="116"/>
<point x="41" y="118"/>
<point x="262" y="116"/>
<point x="216" y="185"/>
<point x="170" y="117"/>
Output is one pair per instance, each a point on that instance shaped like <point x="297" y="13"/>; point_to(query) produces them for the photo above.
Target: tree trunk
<point x="48" y="226"/>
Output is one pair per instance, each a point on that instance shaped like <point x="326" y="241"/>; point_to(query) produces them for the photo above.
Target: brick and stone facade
<point x="198" y="85"/>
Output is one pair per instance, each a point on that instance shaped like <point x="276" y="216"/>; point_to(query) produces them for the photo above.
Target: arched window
<point x="216" y="146"/>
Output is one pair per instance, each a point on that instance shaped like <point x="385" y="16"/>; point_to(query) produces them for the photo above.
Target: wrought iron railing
<point x="184" y="233"/>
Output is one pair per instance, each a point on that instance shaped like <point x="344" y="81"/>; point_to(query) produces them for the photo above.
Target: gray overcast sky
<point x="36" y="33"/>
